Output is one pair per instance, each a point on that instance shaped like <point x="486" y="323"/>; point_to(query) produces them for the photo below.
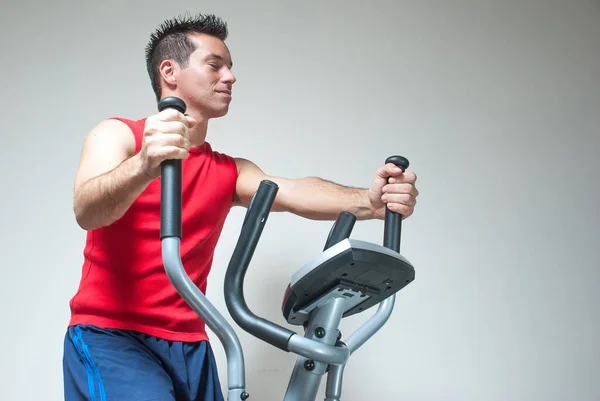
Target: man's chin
<point x="220" y="112"/>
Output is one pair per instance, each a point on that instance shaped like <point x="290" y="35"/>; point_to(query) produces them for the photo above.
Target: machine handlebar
<point x="254" y="222"/>
<point x="170" y="204"/>
<point x="393" y="221"/>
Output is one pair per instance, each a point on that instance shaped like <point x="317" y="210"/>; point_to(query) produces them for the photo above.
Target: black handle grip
<point x="172" y="102"/>
<point x="393" y="220"/>
<point x="341" y="229"/>
<point x="255" y="220"/>
<point x="170" y="191"/>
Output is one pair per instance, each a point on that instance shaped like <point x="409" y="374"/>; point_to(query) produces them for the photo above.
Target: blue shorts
<point x="114" y="365"/>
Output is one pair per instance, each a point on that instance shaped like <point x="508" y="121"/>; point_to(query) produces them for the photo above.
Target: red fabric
<point x="124" y="284"/>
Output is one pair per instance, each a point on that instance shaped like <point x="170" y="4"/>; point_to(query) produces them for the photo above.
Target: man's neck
<point x="198" y="133"/>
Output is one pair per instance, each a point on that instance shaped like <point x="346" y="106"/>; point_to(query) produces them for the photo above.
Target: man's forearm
<point x="104" y="199"/>
<point x="319" y="199"/>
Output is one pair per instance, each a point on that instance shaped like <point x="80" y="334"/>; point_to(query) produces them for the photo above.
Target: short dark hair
<point x="170" y="41"/>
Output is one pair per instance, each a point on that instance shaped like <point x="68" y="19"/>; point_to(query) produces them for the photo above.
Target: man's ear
<point x="168" y="71"/>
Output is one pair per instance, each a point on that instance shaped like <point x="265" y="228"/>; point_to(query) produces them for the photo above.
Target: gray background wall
<point x="496" y="104"/>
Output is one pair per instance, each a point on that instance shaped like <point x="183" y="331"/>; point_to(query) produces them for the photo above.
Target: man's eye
<point x="213" y="65"/>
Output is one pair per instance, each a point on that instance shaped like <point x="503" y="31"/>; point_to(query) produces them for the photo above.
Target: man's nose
<point x="228" y="76"/>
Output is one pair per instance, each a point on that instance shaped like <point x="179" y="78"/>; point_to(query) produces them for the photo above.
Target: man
<point x="131" y="336"/>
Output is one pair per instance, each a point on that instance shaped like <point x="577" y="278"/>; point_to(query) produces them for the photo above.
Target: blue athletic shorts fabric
<point x="113" y="365"/>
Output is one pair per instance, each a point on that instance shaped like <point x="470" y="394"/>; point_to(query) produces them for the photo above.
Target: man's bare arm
<point x="312" y="197"/>
<point x="109" y="177"/>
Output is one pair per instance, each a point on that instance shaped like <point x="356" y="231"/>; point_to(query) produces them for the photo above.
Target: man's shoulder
<point x="116" y="132"/>
<point x="132" y="123"/>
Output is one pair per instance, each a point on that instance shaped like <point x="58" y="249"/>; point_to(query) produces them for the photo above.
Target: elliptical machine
<point x="348" y="277"/>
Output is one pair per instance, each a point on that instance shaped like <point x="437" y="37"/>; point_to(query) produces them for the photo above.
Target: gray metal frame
<point x="333" y="390"/>
<point x="304" y="383"/>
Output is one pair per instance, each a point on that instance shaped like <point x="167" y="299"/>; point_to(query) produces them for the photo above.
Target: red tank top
<point x="123" y="283"/>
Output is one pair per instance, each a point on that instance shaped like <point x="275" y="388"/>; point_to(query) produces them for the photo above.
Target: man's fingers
<point x="408" y="177"/>
<point x="175" y="127"/>
<point x="404" y="210"/>
<point x="403" y="199"/>
<point x="388" y="170"/>
<point x="191" y="121"/>
<point x="401" y="189"/>
<point x="172" y="115"/>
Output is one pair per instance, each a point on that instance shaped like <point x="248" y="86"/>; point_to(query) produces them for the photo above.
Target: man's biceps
<point x="283" y="184"/>
<point x="98" y="160"/>
<point x="91" y="167"/>
<point x="98" y="164"/>
<point x="249" y="169"/>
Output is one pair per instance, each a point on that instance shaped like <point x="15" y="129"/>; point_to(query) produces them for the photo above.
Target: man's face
<point x="207" y="81"/>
